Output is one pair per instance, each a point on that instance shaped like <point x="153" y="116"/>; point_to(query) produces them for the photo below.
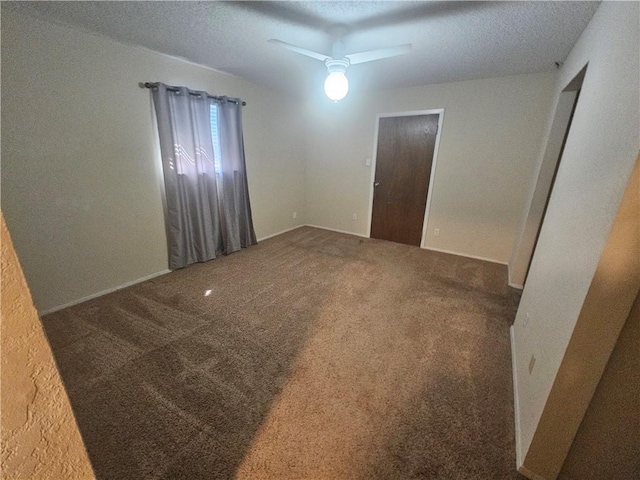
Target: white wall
<point x="601" y="149"/>
<point x="540" y="190"/>
<point x="491" y="137"/>
<point x="80" y="165"/>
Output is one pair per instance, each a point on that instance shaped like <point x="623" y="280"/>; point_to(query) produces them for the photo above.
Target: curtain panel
<point x="208" y="207"/>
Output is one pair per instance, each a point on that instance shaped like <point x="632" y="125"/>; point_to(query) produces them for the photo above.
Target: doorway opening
<point x="561" y="126"/>
<point x="403" y="172"/>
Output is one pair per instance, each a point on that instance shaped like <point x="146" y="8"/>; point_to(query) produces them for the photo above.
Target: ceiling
<point x="452" y="41"/>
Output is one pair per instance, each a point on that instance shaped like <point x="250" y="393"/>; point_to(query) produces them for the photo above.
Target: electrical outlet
<point x="436" y="232"/>
<point x="526" y="319"/>
<point x="295" y="214"/>
<point x="354" y="216"/>
<point x="532" y="363"/>
<point x="367" y="162"/>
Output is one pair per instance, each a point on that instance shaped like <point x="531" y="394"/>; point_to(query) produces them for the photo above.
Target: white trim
<point x="163" y="272"/>
<point x="134" y="282"/>
<point x="427" y="209"/>
<point x="104" y="292"/>
<point x="516" y="403"/>
<point x="440" y="113"/>
<point x="516" y="413"/>
<point x="279" y="233"/>
<point x="372" y="175"/>
<point x="511" y="283"/>
<point x="475" y="257"/>
<point x="335" y="230"/>
<point x="529" y="474"/>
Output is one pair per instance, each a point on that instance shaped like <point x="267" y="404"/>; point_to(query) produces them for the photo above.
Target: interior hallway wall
<point x="540" y="191"/>
<point x="598" y="159"/>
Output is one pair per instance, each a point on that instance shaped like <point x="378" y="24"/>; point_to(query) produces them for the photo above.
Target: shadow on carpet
<point x="313" y="355"/>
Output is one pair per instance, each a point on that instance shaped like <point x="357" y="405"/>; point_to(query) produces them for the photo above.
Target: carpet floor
<point x="313" y="355"/>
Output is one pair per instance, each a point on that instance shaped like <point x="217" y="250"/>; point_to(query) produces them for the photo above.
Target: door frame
<point x="427" y="208"/>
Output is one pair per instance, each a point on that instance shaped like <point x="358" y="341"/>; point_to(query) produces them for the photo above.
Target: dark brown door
<point x="403" y="169"/>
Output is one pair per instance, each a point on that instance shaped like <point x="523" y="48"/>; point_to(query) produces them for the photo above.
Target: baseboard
<point x="336" y="230"/>
<point x="279" y="233"/>
<point x="491" y="260"/>
<point x="516" y="414"/>
<point x="512" y="284"/>
<point x="529" y="474"/>
<point x="103" y="292"/>
<point x="475" y="257"/>
<point x="516" y="403"/>
<point x="163" y="272"/>
<point x="134" y="282"/>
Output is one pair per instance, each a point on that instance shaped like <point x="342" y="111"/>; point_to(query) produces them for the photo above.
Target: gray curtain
<point x="208" y="208"/>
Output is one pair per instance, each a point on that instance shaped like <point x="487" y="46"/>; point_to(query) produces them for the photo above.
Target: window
<point x="198" y="229"/>
<point x="215" y="135"/>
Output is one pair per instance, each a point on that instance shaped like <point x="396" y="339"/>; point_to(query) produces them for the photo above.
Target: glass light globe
<point x="336" y="86"/>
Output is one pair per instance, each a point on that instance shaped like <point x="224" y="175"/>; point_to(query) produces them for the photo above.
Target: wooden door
<point x="403" y="170"/>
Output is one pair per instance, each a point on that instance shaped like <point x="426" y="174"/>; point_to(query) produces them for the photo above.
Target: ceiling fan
<point x="336" y="86"/>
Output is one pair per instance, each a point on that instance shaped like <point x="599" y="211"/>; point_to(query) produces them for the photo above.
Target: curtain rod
<point x="176" y="89"/>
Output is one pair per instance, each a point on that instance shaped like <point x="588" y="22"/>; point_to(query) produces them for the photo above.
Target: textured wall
<point x="39" y="435"/>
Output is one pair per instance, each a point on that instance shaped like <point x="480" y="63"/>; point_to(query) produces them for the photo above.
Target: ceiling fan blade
<point x="372" y="55"/>
<point x="303" y="51"/>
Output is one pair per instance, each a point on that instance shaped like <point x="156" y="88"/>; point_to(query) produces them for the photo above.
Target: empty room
<point x="320" y="240"/>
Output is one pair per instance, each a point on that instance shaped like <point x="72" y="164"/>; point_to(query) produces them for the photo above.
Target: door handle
<point x="376" y="184"/>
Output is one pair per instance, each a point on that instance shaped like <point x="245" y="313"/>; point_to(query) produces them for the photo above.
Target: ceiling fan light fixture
<point x="336" y="85"/>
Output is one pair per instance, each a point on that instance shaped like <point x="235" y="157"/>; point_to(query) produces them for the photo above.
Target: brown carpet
<point x="313" y="355"/>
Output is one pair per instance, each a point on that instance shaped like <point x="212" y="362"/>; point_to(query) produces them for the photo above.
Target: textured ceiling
<point x="452" y="41"/>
